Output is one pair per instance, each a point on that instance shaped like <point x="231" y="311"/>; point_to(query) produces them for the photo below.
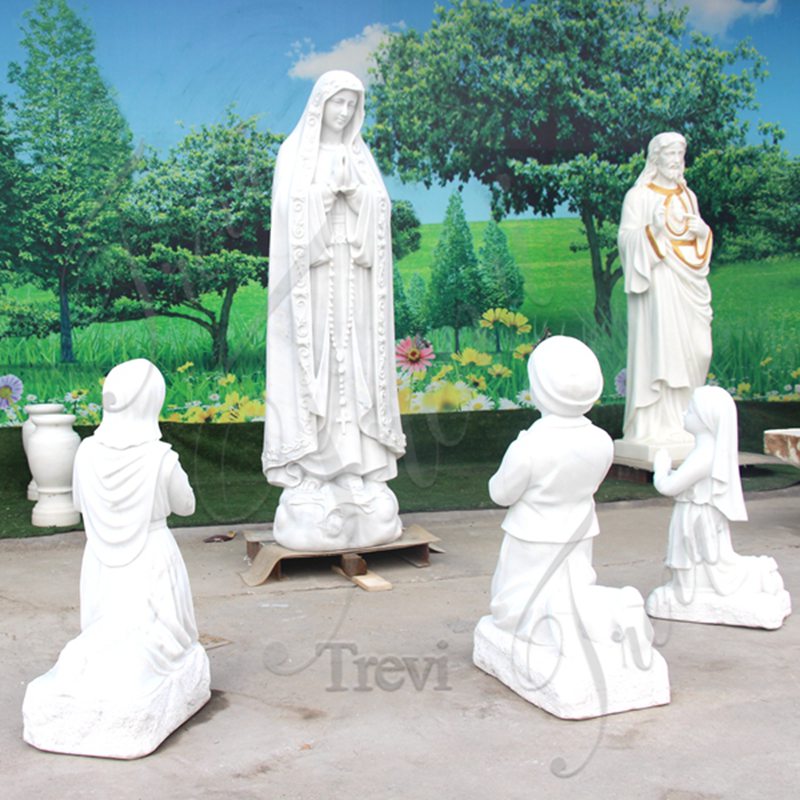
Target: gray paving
<point x="284" y="722"/>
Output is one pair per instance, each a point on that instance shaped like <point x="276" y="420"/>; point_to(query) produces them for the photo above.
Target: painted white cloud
<point x="353" y="54"/>
<point x="716" y="16"/>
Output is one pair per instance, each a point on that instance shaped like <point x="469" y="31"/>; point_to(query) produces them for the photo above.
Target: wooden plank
<point x="413" y="534"/>
<point x="266" y="555"/>
<point x="209" y="642"/>
<point x="369" y="581"/>
<point x="265" y="561"/>
<point x="352" y="564"/>
<point x="418" y="556"/>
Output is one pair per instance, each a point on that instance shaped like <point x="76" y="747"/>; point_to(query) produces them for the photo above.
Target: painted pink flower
<point x="414" y="354"/>
<point x="10" y="390"/>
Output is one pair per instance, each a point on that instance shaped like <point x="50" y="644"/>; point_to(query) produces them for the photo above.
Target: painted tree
<point x="10" y="177"/>
<point x="505" y="288"/>
<point x="551" y="102"/>
<point x="417" y="298"/>
<point x="505" y="284"/>
<point x="196" y="228"/>
<point x="77" y="149"/>
<point x="456" y="293"/>
<point x="406" y="238"/>
<point x="17" y="317"/>
<point x="750" y="196"/>
<point x="406" y="235"/>
<point x="402" y="313"/>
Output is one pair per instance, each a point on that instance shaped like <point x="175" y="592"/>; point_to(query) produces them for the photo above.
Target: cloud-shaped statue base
<point x="320" y="516"/>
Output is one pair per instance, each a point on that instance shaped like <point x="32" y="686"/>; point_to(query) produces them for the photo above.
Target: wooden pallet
<point x="267" y="555"/>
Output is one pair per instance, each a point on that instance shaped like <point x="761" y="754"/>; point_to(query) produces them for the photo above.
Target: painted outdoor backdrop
<point x="136" y="158"/>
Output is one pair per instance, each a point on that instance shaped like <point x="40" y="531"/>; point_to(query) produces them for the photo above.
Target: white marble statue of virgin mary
<point x="136" y="671"/>
<point x="332" y="432"/>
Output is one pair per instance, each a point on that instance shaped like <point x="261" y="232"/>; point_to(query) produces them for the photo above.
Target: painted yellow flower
<point x="197" y="414"/>
<point x="174" y="417"/>
<point x="522" y="351"/>
<point x="446" y="397"/>
<point x="252" y="408"/>
<point x="519" y="322"/>
<point x="184" y="367"/>
<point x="472" y="356"/>
<point x="796" y="373"/>
<point x="743" y="388"/>
<point x="476" y="381"/>
<point x="404" y="398"/>
<point x="445" y="370"/>
<point x="766" y="361"/>
<point x="227" y="380"/>
<point x="230" y="415"/>
<point x="418" y="376"/>
<point x="499" y="371"/>
<point x="493" y="316"/>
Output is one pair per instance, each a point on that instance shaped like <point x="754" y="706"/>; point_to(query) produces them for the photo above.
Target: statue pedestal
<point x="750" y="607"/>
<point x="641" y="454"/>
<point x="591" y="682"/>
<point x="129" y="722"/>
<point x="267" y="556"/>
<point x="321" y="516"/>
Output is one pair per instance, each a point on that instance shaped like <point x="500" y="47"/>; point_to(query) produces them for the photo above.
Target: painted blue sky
<point x="183" y="62"/>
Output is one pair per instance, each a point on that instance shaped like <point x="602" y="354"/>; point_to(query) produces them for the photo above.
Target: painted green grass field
<point x="756" y="339"/>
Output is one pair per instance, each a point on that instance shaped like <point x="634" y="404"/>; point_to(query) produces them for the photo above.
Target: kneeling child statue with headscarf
<point x="136" y="671"/>
<point x="709" y="581"/>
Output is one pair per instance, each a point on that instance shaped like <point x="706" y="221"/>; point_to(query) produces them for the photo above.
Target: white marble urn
<point x="51" y="455"/>
<point x="33" y="411"/>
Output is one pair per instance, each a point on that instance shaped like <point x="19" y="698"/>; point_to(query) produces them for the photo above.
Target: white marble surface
<point x="554" y="636"/>
<point x="33" y="410"/>
<point x="136" y="671"/>
<point x="332" y="430"/>
<point x="665" y="250"/>
<point x="51" y="449"/>
<point x="709" y="581"/>
<point x="590" y="683"/>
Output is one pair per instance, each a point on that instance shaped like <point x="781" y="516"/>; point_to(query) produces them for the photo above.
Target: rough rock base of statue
<point x="117" y="717"/>
<point x="582" y="677"/>
<point x="759" y="601"/>
<point x="336" y="515"/>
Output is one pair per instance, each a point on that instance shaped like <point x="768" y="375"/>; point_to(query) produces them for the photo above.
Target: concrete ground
<point x="284" y="722"/>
